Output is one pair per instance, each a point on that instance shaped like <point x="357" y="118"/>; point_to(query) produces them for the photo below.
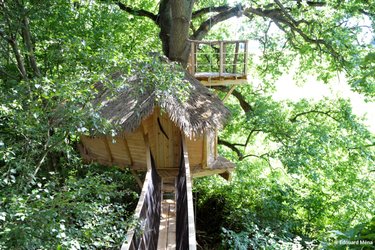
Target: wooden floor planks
<point x="167" y="229"/>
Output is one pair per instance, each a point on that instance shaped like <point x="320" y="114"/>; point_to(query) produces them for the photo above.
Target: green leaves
<point x="306" y="168"/>
<point x="88" y="210"/>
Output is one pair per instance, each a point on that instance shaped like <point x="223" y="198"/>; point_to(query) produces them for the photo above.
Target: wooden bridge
<point x="164" y="214"/>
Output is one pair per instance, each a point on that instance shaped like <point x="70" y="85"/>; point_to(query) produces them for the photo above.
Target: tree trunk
<point x="174" y="22"/>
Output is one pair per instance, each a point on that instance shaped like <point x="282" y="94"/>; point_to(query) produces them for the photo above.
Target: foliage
<point x="159" y="73"/>
<point x="87" y="208"/>
<point x="49" y="199"/>
<point x="305" y="176"/>
<point x="305" y="170"/>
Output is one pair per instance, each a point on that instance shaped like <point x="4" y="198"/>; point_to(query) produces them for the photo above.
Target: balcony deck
<point x="216" y="63"/>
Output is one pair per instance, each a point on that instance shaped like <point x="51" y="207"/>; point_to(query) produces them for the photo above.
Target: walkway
<point x="167" y="228"/>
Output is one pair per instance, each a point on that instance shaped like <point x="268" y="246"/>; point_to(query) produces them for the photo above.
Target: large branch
<point x="315" y="3"/>
<point x="207" y="10"/>
<point x="239" y="154"/>
<point x="206" y="26"/>
<point x="281" y="17"/>
<point x="136" y="12"/>
<point x="231" y="146"/>
<point x="14" y="45"/>
<point x="241" y="99"/>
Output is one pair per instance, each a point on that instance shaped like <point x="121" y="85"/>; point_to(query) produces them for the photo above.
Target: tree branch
<point x="13" y="43"/>
<point x="27" y="40"/>
<point x="242" y="100"/>
<point x="262" y="156"/>
<point x="207" y="10"/>
<point x="206" y="26"/>
<point x="135" y="12"/>
<point x="327" y="113"/>
<point x="280" y="16"/>
<point x="240" y="156"/>
<point x="316" y="4"/>
<point x="231" y="146"/>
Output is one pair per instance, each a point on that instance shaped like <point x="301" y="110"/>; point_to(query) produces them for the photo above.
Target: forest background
<point x="305" y="167"/>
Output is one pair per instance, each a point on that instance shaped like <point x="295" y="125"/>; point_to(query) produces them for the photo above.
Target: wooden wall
<point x="165" y="139"/>
<point x="129" y="149"/>
<point x="124" y="150"/>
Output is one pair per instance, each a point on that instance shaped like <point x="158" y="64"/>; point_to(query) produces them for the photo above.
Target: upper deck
<point x="217" y="63"/>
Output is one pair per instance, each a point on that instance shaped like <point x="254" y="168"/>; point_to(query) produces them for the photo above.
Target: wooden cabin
<point x="162" y="122"/>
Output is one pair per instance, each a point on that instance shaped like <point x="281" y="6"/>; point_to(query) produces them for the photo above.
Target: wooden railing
<point x="223" y="58"/>
<point x="147" y="214"/>
<point x="148" y="211"/>
<point x="185" y="225"/>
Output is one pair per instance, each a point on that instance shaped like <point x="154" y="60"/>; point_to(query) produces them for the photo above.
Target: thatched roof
<point x="194" y="111"/>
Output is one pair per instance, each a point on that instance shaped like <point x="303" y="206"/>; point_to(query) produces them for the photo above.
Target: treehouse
<point x="217" y="63"/>
<point x="169" y="131"/>
<point x="163" y="123"/>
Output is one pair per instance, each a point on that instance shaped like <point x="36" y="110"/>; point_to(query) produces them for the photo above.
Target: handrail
<point x="148" y="211"/>
<point x="185" y="225"/>
<point x="145" y="234"/>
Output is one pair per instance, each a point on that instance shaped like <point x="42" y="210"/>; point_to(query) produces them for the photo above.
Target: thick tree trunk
<point x="165" y="23"/>
<point x="174" y="22"/>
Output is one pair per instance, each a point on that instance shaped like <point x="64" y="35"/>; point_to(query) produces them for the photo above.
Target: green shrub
<point x="89" y="209"/>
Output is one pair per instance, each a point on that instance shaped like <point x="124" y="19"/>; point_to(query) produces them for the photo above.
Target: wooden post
<point x="245" y="58"/>
<point x="224" y="57"/>
<point x="195" y="52"/>
<point x="204" y="153"/>
<point x="235" y="58"/>
<point x="221" y="55"/>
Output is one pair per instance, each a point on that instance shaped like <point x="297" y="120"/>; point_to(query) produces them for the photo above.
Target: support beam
<point x="229" y="93"/>
<point x="108" y="149"/>
<point x="136" y="177"/>
<point x="127" y="150"/>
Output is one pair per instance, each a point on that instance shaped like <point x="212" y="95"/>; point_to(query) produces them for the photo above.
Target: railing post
<point x="235" y="58"/>
<point x="221" y="71"/>
<point x="193" y="58"/>
<point x="245" y="57"/>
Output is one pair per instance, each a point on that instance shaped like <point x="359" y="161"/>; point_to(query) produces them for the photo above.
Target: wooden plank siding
<point x="128" y="150"/>
<point x="165" y="139"/>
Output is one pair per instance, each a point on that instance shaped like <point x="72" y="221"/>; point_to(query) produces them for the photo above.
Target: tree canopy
<point x="305" y="169"/>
